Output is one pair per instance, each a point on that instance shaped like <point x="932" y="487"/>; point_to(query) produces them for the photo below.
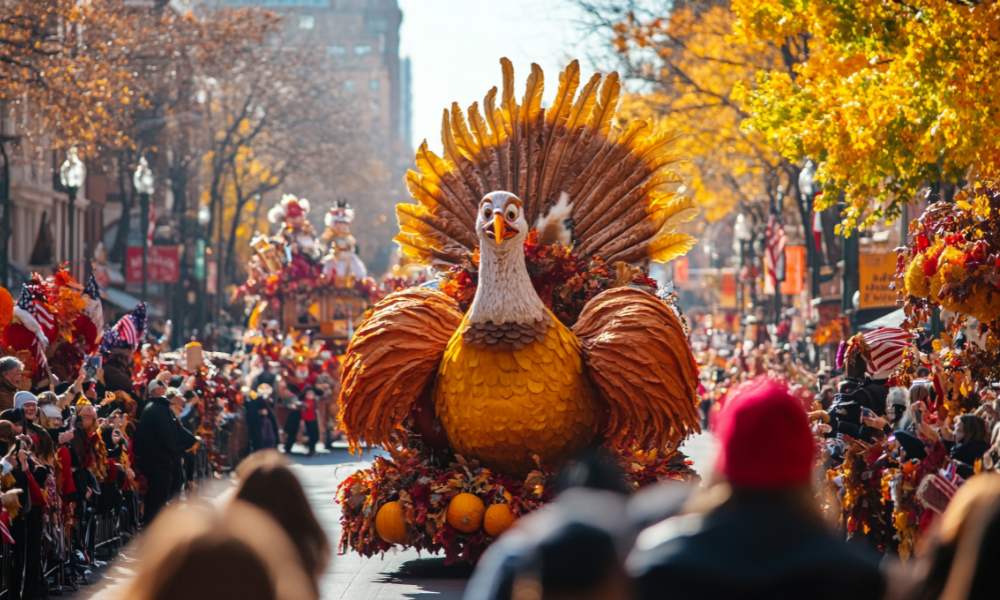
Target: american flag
<point x="126" y="330"/>
<point x="775" y="254"/>
<point x="92" y="289"/>
<point x="37" y="319"/>
<point x="886" y="346"/>
<point x="28" y="305"/>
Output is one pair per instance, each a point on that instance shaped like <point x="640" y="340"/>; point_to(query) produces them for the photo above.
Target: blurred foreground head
<point x="764" y="439"/>
<point x="961" y="561"/>
<point x="267" y="482"/>
<point x="194" y="552"/>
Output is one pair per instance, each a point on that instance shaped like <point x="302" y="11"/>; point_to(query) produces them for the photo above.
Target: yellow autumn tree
<point x="686" y="69"/>
<point x="893" y="97"/>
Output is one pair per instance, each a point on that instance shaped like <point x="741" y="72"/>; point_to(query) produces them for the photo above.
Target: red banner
<point x="162" y="264"/>
<point x="795" y="270"/>
<point x="681" y="272"/>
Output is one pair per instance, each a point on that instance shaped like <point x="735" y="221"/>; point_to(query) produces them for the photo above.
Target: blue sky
<point x="456" y="45"/>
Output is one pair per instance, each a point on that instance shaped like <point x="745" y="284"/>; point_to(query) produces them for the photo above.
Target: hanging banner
<point x="162" y="264"/>
<point x="681" y="273"/>
<point x="876" y="272"/>
<point x="727" y="289"/>
<point x="795" y="270"/>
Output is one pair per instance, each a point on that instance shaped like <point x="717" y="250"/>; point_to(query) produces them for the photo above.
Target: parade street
<point x="401" y="575"/>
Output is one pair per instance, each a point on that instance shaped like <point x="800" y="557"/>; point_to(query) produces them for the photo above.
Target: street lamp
<point x="807" y="188"/>
<point x="142" y="181"/>
<point x="743" y="238"/>
<point x="71" y="176"/>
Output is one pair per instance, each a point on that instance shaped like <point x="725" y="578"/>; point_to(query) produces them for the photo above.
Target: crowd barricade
<point x="104" y="528"/>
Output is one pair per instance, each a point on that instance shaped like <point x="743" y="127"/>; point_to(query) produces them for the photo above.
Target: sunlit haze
<point x="455" y="47"/>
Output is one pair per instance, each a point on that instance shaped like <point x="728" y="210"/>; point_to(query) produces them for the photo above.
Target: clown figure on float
<point x="342" y="264"/>
<point x="295" y="229"/>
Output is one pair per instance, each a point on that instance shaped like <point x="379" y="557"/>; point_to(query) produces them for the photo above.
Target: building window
<point x="349" y="85"/>
<point x="336" y="51"/>
<point x="362" y="50"/>
<point x="307" y="21"/>
<point x="373" y="84"/>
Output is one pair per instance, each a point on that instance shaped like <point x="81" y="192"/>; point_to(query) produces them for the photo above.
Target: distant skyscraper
<point x="360" y="38"/>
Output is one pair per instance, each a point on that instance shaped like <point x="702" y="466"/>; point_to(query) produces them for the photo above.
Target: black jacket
<point x="750" y="549"/>
<point x="160" y="440"/>
<point x="854" y="395"/>
<point x="258" y="412"/>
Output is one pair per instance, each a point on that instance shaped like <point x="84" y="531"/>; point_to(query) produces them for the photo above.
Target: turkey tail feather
<point x="618" y="177"/>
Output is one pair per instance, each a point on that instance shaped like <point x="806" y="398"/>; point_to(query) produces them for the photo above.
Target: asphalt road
<point x="403" y="575"/>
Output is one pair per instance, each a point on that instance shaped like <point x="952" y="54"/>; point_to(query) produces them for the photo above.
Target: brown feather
<point x="556" y="117"/>
<point x="391" y="359"/>
<point x="638" y="358"/>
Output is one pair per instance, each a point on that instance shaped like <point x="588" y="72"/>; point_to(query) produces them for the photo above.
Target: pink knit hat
<point x="764" y="438"/>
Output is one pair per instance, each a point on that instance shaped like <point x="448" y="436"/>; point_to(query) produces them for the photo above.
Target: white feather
<point x="555" y="221"/>
<point x="276" y="214"/>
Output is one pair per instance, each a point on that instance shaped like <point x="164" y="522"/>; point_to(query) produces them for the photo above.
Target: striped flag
<point x="886" y="347"/>
<point x="128" y="332"/>
<point x="775" y="253"/>
<point x="30" y="312"/>
<point x="125" y="328"/>
<point x="34" y="316"/>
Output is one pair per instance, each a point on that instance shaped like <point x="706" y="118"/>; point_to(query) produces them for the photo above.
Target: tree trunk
<point x="125" y="193"/>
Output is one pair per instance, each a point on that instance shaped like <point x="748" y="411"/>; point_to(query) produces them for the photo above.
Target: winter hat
<point x="911" y="444"/>
<point x="51" y="411"/>
<point x="764" y="438"/>
<point x="22" y="398"/>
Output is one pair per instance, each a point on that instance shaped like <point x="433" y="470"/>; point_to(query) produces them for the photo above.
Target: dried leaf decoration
<point x="392" y="357"/>
<point x="618" y="178"/>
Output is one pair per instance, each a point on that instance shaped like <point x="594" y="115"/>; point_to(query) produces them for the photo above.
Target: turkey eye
<point x="511" y="213"/>
<point x="487" y="211"/>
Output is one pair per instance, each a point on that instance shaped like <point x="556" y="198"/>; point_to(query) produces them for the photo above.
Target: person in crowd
<point x="573" y="547"/>
<point x="30" y="475"/>
<point x="896" y="403"/>
<point x="11" y="370"/>
<point x="262" y="426"/>
<point x="964" y="523"/>
<point x="858" y="397"/>
<point x="310" y="419"/>
<point x="267" y="482"/>
<point x="974" y="574"/>
<point x="968" y="442"/>
<point x="160" y="443"/>
<point x="196" y="553"/>
<point x="266" y="375"/>
<point x="293" y="418"/>
<point x="758" y="532"/>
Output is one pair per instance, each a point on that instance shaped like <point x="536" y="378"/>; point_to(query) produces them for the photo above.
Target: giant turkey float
<point x="544" y="336"/>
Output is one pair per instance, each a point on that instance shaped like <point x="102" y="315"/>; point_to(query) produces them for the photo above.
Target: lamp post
<point x="807" y="188"/>
<point x="743" y="236"/>
<point x="200" y="266"/>
<point x="71" y="175"/>
<point x="142" y="181"/>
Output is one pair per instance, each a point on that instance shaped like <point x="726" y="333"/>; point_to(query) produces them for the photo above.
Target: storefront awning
<point x="126" y="301"/>
<point x="893" y="319"/>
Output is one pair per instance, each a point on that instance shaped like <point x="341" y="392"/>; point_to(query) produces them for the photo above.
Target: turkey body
<point x="503" y="406"/>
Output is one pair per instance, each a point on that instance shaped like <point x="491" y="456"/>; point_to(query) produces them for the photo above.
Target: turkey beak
<point x="498" y="227"/>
